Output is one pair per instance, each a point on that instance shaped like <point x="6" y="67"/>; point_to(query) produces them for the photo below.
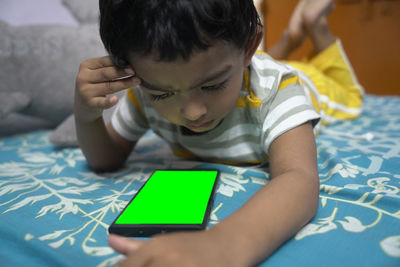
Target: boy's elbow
<point x="105" y="166"/>
<point x="310" y="185"/>
<point x="314" y="193"/>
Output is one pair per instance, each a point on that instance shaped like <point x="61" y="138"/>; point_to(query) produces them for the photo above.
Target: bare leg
<point x="321" y="36"/>
<point x="316" y="25"/>
<point x="282" y="49"/>
<point x="293" y="36"/>
<point x="308" y="19"/>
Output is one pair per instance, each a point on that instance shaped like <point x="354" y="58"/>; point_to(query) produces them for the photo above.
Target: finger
<point x="134" y="261"/>
<point x="98" y="62"/>
<point x="143" y="256"/>
<point x="124" y="245"/>
<point x="95" y="95"/>
<point x="109" y="74"/>
<point x="103" y="102"/>
<point x="111" y="87"/>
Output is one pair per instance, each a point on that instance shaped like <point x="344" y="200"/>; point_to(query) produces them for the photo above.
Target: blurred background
<point x="370" y="34"/>
<point x="369" y="30"/>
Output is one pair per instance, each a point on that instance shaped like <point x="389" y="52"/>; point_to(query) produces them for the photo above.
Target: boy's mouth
<point x="201" y="125"/>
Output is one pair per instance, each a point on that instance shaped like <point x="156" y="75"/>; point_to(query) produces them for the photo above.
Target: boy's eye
<point x="210" y="88"/>
<point x="215" y="87"/>
<point x="161" y="97"/>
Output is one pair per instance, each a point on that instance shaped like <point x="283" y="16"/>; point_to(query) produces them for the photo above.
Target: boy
<point x="198" y="83"/>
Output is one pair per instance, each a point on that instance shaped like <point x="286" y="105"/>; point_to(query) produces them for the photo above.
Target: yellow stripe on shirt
<point x="250" y="100"/>
<point x="289" y="81"/>
<point x="133" y="98"/>
<point x="314" y="100"/>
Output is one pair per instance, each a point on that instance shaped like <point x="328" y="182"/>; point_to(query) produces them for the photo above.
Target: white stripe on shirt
<point x="289" y="123"/>
<point x="283" y="108"/>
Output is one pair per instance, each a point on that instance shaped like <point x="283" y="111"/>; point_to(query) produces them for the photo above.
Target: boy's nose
<point x="193" y="109"/>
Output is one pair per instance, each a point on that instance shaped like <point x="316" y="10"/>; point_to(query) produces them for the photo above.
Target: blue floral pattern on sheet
<point x="54" y="211"/>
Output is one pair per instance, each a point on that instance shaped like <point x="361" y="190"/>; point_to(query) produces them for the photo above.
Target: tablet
<point x="170" y="200"/>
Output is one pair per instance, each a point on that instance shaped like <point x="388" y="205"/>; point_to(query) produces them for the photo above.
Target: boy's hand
<point x="98" y="78"/>
<point x="177" y="249"/>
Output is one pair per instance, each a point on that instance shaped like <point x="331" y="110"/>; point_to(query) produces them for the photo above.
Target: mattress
<point x="54" y="211"/>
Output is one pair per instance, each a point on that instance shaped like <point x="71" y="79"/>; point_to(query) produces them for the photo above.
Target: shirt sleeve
<point x="288" y="109"/>
<point x="128" y="118"/>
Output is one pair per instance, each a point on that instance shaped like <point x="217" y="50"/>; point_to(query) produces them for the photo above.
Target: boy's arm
<point x="278" y="210"/>
<point x="102" y="146"/>
<point x="251" y="234"/>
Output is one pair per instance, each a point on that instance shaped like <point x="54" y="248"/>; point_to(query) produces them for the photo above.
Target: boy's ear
<point x="252" y="46"/>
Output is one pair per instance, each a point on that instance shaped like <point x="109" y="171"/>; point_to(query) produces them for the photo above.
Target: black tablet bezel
<point x="148" y="230"/>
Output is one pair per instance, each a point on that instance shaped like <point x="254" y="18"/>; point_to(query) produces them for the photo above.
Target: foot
<point x="308" y="19"/>
<point x="293" y="36"/>
<point x="296" y="31"/>
<point x="321" y="36"/>
<point x="314" y="10"/>
<point x="306" y="16"/>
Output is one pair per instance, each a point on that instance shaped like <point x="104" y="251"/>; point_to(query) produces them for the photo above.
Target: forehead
<point x="183" y="73"/>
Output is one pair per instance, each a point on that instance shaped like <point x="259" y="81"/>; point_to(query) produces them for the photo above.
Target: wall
<point x="370" y="33"/>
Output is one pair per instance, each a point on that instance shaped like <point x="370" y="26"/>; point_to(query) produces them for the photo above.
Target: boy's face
<point x="197" y="93"/>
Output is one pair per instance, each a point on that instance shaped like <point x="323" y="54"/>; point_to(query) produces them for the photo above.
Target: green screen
<point x="171" y="197"/>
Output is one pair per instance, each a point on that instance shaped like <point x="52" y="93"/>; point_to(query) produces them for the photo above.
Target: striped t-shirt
<point x="272" y="101"/>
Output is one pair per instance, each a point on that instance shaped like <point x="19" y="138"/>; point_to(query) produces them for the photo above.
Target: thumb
<point x="111" y="101"/>
<point x="124" y="245"/>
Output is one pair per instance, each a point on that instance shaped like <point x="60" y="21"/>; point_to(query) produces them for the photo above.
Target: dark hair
<point x="174" y="28"/>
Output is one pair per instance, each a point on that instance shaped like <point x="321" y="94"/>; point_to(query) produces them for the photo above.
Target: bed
<point x="54" y="211"/>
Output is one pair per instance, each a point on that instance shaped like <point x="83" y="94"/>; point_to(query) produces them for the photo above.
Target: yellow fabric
<point x="313" y="99"/>
<point x="339" y="94"/>
<point x="289" y="81"/>
<point x="133" y="98"/>
<point x="251" y="100"/>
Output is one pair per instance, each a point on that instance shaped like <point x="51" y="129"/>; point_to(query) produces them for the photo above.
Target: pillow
<point x="85" y="11"/>
<point x="41" y="63"/>
<point x="15" y="123"/>
<point x="28" y="12"/>
<point x="65" y="135"/>
<point x="12" y="102"/>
